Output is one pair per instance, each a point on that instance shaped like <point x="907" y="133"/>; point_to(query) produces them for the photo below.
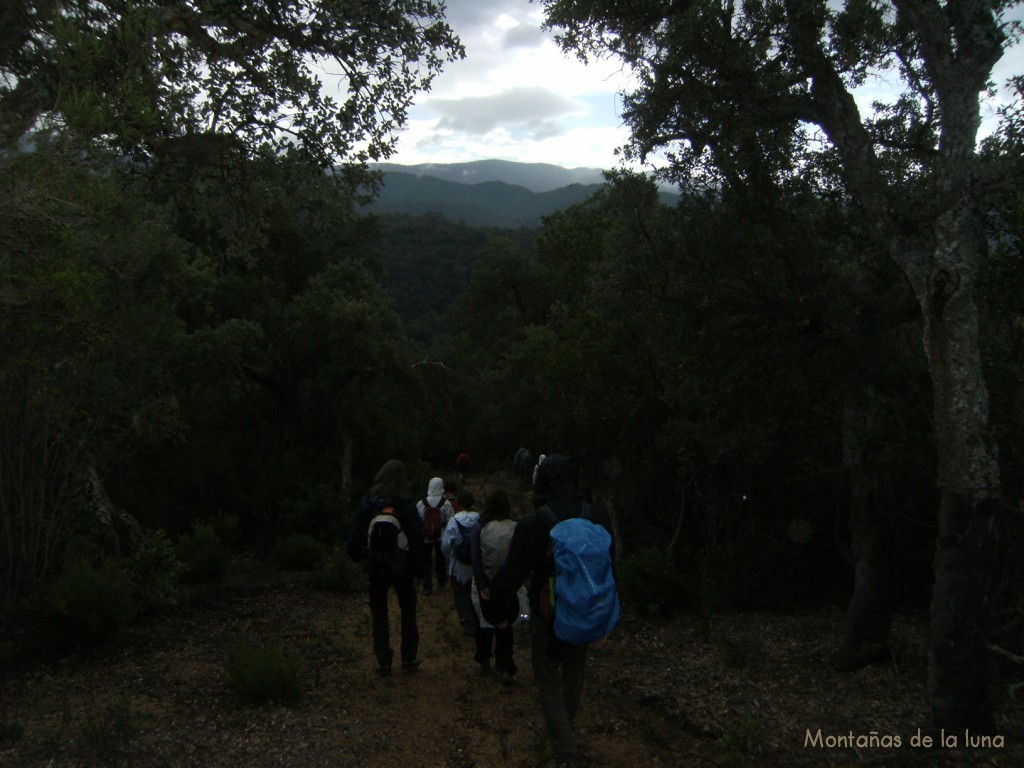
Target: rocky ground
<point x="746" y="689"/>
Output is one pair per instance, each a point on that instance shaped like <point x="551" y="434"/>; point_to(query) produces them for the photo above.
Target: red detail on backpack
<point x="432" y="520"/>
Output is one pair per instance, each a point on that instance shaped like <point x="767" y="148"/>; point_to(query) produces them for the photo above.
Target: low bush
<point x="740" y="576"/>
<point x="155" y="570"/>
<point x="298" y="552"/>
<point x="85" y="606"/>
<point x="337" y="573"/>
<point x="652" y="584"/>
<point x="258" y="675"/>
<point x="204" y="555"/>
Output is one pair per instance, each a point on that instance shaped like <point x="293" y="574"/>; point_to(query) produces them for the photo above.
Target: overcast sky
<point x="516" y="96"/>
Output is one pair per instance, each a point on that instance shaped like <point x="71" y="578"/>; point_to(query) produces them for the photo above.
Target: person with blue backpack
<point x="387" y="539"/>
<point x="565" y="549"/>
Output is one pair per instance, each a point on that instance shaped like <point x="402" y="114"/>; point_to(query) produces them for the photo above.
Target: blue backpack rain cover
<point x="586" y="602"/>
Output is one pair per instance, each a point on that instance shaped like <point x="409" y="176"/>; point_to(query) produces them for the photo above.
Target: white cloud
<point x="515" y="96"/>
<point x="575" y="146"/>
<point x="523" y="36"/>
<point x="519" y="106"/>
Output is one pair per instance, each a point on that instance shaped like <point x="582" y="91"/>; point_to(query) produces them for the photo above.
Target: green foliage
<point x="132" y="76"/>
<point x="735" y="744"/>
<point x="298" y="552"/>
<point x="263" y="674"/>
<point x="722" y="586"/>
<point x="652" y="584"/>
<point x="85" y="324"/>
<point x="487" y="204"/>
<point x="85" y="606"/>
<point x="155" y="570"/>
<point x="227" y="527"/>
<point x="204" y="555"/>
<point x="338" y="573"/>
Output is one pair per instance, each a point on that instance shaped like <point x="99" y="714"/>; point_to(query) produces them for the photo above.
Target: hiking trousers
<point x="503" y="643"/>
<point x="559" y="680"/>
<point x="434" y="564"/>
<point x="402" y="583"/>
<point x="462" y="597"/>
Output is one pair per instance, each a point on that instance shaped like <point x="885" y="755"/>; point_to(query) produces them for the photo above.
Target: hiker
<point x="496" y="611"/>
<point x="387" y="538"/>
<point x="450" y="489"/>
<point x="558" y="666"/>
<point x="462" y="465"/>
<point x="435" y="512"/>
<point x="536" y="469"/>
<point x="522" y="467"/>
<point x="455" y="543"/>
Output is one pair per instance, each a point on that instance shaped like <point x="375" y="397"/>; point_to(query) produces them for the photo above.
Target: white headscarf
<point x="435" y="491"/>
<point x="537" y="468"/>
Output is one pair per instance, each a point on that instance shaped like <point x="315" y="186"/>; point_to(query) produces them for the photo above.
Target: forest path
<point x="697" y="690"/>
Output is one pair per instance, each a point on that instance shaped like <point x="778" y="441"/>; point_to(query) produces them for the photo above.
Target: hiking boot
<point x="411" y="666"/>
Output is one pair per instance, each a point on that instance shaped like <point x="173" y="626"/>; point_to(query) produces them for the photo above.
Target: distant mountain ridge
<point x="536" y="177"/>
<point x="485" y="204"/>
<point x="486" y="193"/>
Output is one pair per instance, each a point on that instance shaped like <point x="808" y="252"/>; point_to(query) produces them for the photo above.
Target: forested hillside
<point x="794" y="386"/>
<point x="425" y="267"/>
<point x="536" y="177"/>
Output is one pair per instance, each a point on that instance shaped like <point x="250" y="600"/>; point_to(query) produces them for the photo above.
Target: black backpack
<point x="387" y="544"/>
<point x="461" y="550"/>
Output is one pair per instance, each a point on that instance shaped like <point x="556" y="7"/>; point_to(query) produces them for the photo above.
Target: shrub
<point x="734" y="745"/>
<point x="204" y="555"/>
<point x="155" y="570"/>
<point x="337" y="573"/>
<point x="259" y="675"/>
<point x="298" y="552"/>
<point x="652" y="584"/>
<point x="227" y="527"/>
<point x="738" y="576"/>
<point x="85" y="606"/>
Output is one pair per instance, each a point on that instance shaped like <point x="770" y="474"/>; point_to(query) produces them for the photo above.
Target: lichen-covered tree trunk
<point x="967" y="477"/>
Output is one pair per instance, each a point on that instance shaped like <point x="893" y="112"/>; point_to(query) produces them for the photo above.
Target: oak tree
<point x="333" y="78"/>
<point x="748" y="92"/>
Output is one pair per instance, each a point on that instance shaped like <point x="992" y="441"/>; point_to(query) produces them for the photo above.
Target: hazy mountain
<point x="485" y="204"/>
<point x="536" y="177"/>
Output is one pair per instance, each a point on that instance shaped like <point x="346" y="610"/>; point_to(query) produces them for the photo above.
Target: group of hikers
<point x="555" y="565"/>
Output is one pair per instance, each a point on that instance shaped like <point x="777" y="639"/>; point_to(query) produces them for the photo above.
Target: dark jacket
<point x="528" y="551"/>
<point x="408" y="516"/>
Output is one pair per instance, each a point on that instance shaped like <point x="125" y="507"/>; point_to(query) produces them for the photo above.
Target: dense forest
<point x="797" y="384"/>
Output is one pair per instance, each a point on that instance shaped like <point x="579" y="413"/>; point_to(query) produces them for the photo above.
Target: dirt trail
<point x="694" y="691"/>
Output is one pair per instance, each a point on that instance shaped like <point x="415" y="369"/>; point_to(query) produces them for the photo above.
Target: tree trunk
<point x="120" y="532"/>
<point x="967" y="478"/>
<point x="869" y="615"/>
<point x="346" y="471"/>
